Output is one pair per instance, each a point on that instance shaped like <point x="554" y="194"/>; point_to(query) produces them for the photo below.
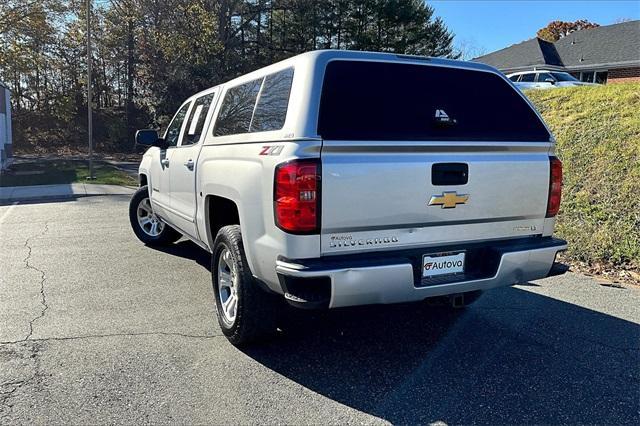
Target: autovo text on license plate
<point x="442" y="264"/>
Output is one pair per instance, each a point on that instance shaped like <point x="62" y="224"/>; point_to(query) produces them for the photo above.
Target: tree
<point x="469" y="49"/>
<point x="149" y="55"/>
<point x="555" y="30"/>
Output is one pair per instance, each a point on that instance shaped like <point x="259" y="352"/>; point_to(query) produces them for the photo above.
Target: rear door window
<point x="544" y="76"/>
<point x="196" y="119"/>
<point x="397" y="101"/>
<point x="528" y="78"/>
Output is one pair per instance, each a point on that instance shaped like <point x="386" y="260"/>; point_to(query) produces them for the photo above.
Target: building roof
<point x="608" y="45"/>
<point x="602" y="45"/>
<point x="532" y="52"/>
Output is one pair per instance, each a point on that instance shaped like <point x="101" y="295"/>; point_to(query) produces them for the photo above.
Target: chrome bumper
<point x="395" y="283"/>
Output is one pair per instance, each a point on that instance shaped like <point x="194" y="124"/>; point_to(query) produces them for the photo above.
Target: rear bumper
<point x="394" y="277"/>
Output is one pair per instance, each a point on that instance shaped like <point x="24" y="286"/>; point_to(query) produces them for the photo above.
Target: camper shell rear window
<point x="365" y="100"/>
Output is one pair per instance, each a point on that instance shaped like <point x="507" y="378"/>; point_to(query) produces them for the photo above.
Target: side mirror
<point x="149" y="137"/>
<point x="549" y="80"/>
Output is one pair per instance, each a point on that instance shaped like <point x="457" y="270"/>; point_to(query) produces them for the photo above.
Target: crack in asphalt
<point x="100" y="336"/>
<point x="5" y="396"/>
<point x="9" y="388"/>
<point x="43" y="278"/>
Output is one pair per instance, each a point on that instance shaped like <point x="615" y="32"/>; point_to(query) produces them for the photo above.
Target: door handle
<point x="189" y="164"/>
<point x="165" y="162"/>
<point x="449" y="174"/>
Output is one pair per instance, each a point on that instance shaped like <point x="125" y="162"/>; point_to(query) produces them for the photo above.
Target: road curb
<point x="12" y="194"/>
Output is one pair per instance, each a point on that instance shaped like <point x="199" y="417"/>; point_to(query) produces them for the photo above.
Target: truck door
<point x="159" y="186"/>
<point x="183" y="166"/>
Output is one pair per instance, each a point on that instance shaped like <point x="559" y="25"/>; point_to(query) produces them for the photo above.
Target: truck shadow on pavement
<point x="513" y="357"/>
<point x="187" y="250"/>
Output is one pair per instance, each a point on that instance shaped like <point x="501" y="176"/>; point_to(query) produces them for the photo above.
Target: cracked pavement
<point x="43" y="278"/>
<point x="97" y="328"/>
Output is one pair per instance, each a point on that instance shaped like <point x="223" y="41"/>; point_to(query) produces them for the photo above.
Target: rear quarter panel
<point x="239" y="173"/>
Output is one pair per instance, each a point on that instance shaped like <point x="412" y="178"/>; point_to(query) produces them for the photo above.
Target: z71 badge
<point x="271" y="150"/>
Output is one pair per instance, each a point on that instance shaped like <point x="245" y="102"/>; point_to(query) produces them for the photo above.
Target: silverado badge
<point x="448" y="200"/>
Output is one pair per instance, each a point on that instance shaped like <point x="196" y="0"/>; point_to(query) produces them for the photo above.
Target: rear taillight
<point x="297" y="196"/>
<point x="555" y="187"/>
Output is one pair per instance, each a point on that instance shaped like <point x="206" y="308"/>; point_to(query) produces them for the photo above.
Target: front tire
<point x="149" y="228"/>
<point x="245" y="312"/>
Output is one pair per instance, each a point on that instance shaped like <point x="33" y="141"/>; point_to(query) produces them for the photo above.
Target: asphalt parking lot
<point x="97" y="328"/>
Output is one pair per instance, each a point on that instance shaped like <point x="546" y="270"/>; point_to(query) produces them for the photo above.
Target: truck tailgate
<point x="376" y="195"/>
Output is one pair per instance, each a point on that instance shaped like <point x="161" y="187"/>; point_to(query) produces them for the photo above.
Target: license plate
<point x="442" y="264"/>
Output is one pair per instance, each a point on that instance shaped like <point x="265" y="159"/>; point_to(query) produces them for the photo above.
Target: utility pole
<point x="89" y="112"/>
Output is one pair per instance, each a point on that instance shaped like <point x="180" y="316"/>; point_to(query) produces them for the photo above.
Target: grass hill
<point x="598" y="140"/>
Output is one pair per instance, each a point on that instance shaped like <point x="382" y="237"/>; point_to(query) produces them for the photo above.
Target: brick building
<point x="607" y="54"/>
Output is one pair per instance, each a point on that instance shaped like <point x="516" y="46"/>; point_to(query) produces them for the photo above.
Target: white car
<point x="543" y="79"/>
<point x="343" y="178"/>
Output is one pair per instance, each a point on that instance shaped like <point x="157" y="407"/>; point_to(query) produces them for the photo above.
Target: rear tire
<point x="245" y="312"/>
<point x="149" y="228"/>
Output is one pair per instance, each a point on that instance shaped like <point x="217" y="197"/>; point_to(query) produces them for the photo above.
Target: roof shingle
<point x="606" y="45"/>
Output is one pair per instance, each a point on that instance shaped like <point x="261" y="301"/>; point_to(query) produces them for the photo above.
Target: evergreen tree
<point x="149" y="55"/>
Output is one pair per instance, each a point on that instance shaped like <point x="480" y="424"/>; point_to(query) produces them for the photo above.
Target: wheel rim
<point x="147" y="219"/>
<point x="227" y="286"/>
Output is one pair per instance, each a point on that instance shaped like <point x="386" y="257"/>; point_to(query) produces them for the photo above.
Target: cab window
<point x="195" y="123"/>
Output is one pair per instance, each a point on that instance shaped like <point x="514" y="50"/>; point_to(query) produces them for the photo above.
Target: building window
<point x="601" y="77"/>
<point x="587" y="77"/>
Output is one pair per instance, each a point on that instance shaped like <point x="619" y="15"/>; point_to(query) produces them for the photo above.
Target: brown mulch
<point x="605" y="274"/>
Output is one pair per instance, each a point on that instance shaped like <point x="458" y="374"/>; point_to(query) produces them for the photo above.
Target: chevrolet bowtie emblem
<point x="448" y="200"/>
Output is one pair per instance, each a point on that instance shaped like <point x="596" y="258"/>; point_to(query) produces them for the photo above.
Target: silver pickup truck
<point x="341" y="178"/>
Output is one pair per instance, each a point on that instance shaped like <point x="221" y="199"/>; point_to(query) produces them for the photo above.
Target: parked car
<point x="341" y="178"/>
<point x="544" y="79"/>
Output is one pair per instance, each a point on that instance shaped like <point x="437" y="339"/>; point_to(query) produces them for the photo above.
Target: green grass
<point x="598" y="140"/>
<point x="49" y="172"/>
